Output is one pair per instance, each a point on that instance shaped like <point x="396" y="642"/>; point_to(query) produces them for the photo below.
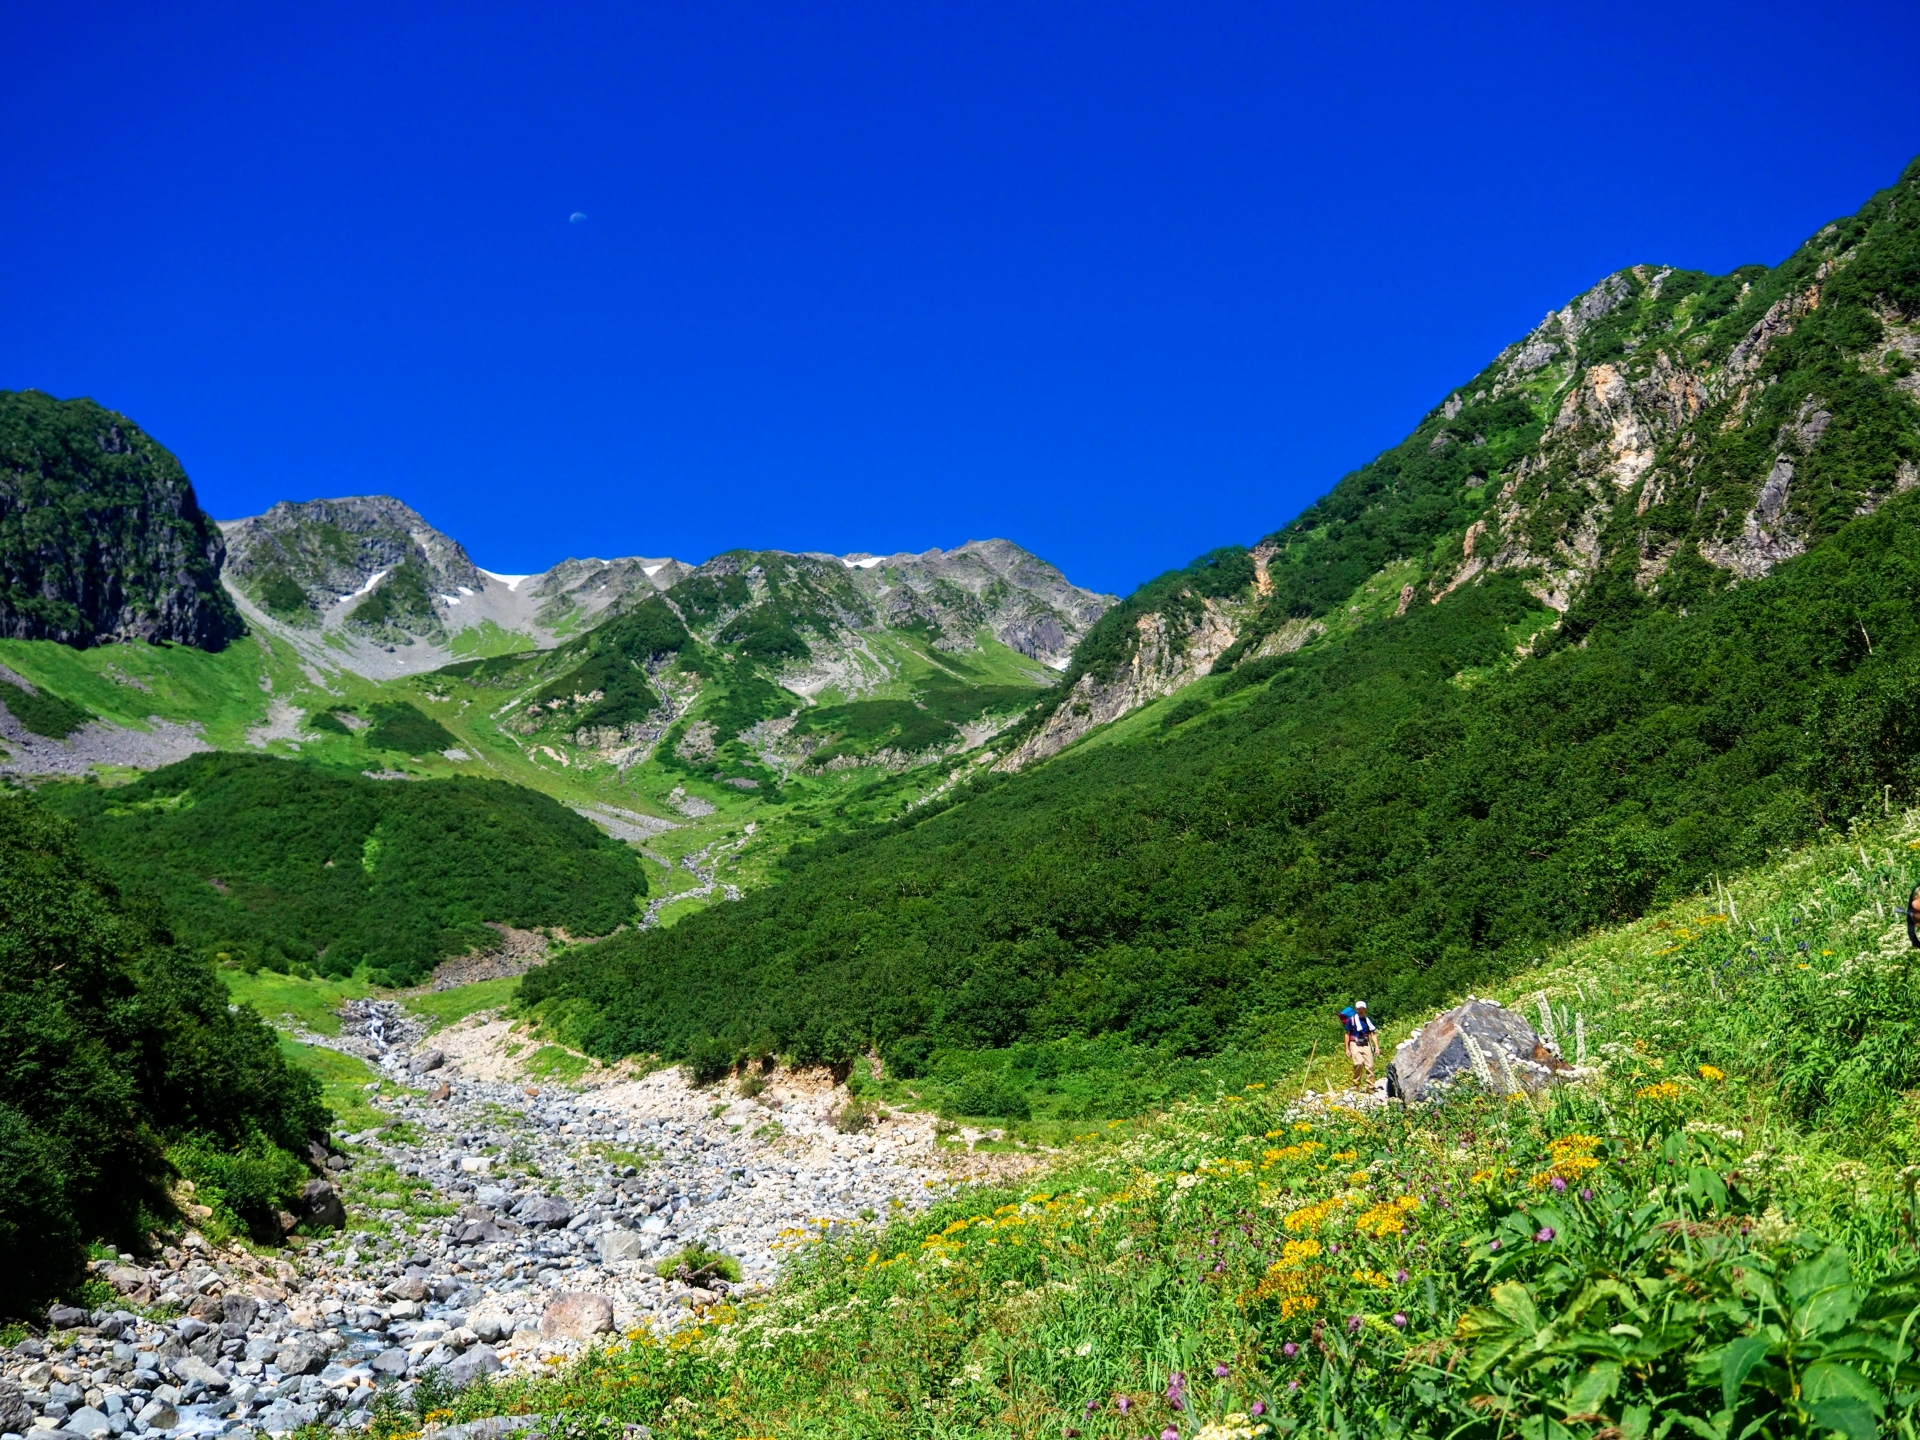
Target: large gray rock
<point x="543" y="1210"/>
<point x="390" y="1362"/>
<point x="15" y="1414"/>
<point x="195" y="1371"/>
<point x="478" y="1360"/>
<point x="577" y="1316"/>
<point x="319" y="1204"/>
<point x="304" y="1356"/>
<point x="66" y="1317"/>
<point x="1480" y="1039"/>
<point x="158" y="1415"/>
<point x="427" y="1060"/>
<point x="620" y="1245"/>
<point x="89" y="1422"/>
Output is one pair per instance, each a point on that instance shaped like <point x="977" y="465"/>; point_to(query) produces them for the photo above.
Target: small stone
<point x="577" y="1316"/>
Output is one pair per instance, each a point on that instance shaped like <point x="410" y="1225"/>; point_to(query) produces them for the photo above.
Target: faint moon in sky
<point x="576" y="217"/>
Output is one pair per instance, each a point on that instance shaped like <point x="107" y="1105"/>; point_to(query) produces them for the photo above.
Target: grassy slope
<point x="1205" y="1236"/>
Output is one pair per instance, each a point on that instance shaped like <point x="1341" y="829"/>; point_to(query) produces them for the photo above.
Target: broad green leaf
<point x="1707" y="1187"/>
<point x="1596" y="1387"/>
<point x="1823" y="1272"/>
<point x="1736" y="1363"/>
<point x="1850" y="1418"/>
<point x="1515" y="1302"/>
<point x="1634" y="1421"/>
<point x="1824" y="1380"/>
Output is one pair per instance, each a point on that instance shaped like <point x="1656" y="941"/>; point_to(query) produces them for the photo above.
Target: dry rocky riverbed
<point x="521" y="1221"/>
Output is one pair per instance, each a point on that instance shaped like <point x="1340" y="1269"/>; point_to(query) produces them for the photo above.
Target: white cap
<point x="1359" y="1004"/>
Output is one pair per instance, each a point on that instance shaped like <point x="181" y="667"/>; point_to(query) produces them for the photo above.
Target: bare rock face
<point x="577" y="1316"/>
<point x="1482" y="1039"/>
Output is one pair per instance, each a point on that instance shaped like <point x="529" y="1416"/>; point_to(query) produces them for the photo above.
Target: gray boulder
<point x="158" y="1415"/>
<point x="88" y="1421"/>
<point x="303" y="1357"/>
<point x="620" y="1245"/>
<point x="577" y="1316"/>
<point x="195" y="1371"/>
<point x="543" y="1210"/>
<point x="15" y="1414"/>
<point x="390" y="1362"/>
<point x="1479" y="1039"/>
<point x="320" y="1204"/>
<point x="478" y="1360"/>
<point x="426" y="1060"/>
<point x="66" y="1317"/>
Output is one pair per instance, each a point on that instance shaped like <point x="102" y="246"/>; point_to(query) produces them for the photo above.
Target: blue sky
<point x="1119" y="282"/>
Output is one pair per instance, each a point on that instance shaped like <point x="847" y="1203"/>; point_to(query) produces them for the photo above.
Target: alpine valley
<point x="936" y="868"/>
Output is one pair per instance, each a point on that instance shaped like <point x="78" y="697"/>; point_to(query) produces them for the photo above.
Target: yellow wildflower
<point x="1312" y="1217"/>
<point x="1712" y="1072"/>
<point x="1389" y="1218"/>
<point x="1665" y="1092"/>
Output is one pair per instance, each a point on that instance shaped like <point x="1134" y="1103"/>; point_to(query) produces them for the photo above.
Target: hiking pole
<point x="1306" y="1077"/>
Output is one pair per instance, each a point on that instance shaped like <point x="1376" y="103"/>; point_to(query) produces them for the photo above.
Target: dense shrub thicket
<point x="1389" y="817"/>
<point x="284" y="864"/>
<point x="114" y="1042"/>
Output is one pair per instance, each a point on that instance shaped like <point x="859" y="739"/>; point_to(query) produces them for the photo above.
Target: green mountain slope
<point x="1410" y="786"/>
<point x="272" y="862"/>
<point x="100" y="536"/>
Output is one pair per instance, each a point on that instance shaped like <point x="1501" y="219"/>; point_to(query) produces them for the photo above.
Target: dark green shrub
<point x="403" y="727"/>
<point x="41" y="712"/>
<point x="327" y="723"/>
<point x="710" y="1059"/>
<point x="991" y="1095"/>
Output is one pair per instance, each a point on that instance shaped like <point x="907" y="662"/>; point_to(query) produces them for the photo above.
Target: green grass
<point x="559" y="1064"/>
<point x="311" y="1002"/>
<point x="446" y="1007"/>
<point x="478" y="642"/>
<point x="343" y="1082"/>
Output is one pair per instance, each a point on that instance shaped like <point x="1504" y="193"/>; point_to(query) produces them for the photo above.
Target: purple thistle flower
<point x="1289" y="1349"/>
<point x="1333" y="1249"/>
<point x="1123" y="1403"/>
<point x="1169" y="1434"/>
<point x="1586" y="1193"/>
<point x="1399" y="1277"/>
<point x="1219" y="1372"/>
<point x="1400" y="1319"/>
<point x="1559" y="1185"/>
<point x="1092" y="1405"/>
<point x="1177" y="1390"/>
<point x="1354" y="1322"/>
<point x="1293" y="1384"/>
<point x="1495" y="1245"/>
<point x="1257" y="1409"/>
<point x="1543" y="1234"/>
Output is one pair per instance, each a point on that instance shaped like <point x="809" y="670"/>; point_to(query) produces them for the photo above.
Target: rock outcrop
<point x="1480" y="1039"/>
<point x="101" y="538"/>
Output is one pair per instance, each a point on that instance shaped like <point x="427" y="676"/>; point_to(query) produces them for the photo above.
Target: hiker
<point x="1363" y="1041"/>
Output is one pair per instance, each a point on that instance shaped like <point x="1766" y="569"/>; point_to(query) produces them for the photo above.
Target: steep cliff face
<point x="1662" y="436"/>
<point x="100" y="535"/>
<point x="1163" y="659"/>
